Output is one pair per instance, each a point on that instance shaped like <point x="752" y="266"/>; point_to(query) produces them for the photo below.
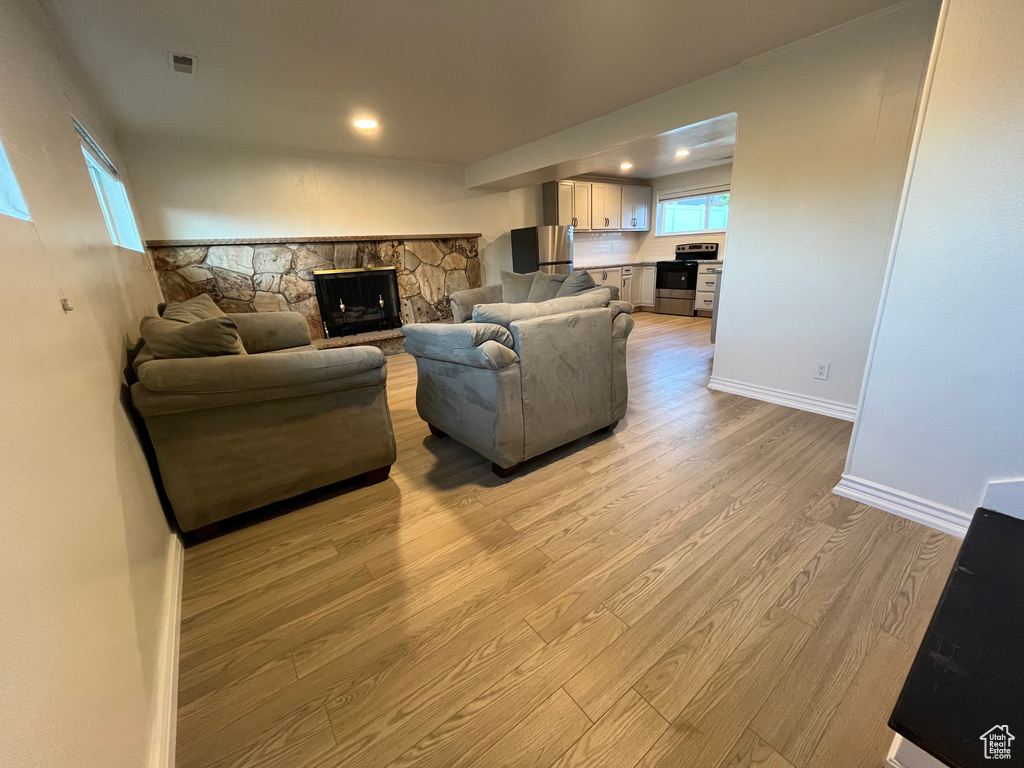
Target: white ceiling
<point x="450" y="80"/>
<point x="711" y="142"/>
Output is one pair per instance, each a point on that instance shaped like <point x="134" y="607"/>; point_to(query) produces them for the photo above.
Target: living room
<point x="496" y="534"/>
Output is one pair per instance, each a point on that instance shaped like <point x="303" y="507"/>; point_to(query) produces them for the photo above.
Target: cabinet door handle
<point x="634" y="221"/>
<point x="606" y="221"/>
<point x="574" y="221"/>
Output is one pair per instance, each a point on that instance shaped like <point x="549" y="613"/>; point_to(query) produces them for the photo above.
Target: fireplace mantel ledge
<point x="278" y="240"/>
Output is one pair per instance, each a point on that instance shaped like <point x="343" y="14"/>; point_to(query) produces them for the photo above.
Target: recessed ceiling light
<point x="365" y="123"/>
<point x="682" y="152"/>
<point x="626" y="166"/>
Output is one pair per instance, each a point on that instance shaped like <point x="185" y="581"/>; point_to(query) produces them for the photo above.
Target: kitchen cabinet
<point x="636" y="208"/>
<point x="631" y="285"/>
<point x="567" y="204"/>
<point x="597" y="206"/>
<point x="707" y="280"/>
<point x="648" y="281"/>
<point x="605" y="207"/>
<point x="611" y="276"/>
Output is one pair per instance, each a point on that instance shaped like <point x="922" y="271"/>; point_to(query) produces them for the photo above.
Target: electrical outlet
<point x="821" y="370"/>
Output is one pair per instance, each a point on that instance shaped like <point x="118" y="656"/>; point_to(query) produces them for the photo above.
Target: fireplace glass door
<point x="358" y="300"/>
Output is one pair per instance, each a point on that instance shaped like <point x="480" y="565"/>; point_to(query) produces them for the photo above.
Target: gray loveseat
<point x="522" y="378"/>
<point x="245" y="428"/>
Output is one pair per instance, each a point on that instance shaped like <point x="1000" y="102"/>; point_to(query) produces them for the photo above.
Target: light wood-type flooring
<point x="684" y="591"/>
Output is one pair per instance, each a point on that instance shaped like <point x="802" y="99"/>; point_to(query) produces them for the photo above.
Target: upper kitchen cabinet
<point x="606" y="207"/>
<point x="597" y="206"/>
<point x="567" y="203"/>
<point x="636" y="208"/>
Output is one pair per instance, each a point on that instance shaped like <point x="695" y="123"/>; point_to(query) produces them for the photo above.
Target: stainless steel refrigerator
<point x="548" y="249"/>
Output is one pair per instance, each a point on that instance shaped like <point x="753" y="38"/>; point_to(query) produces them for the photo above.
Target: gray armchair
<point x="237" y="431"/>
<point x="523" y="378"/>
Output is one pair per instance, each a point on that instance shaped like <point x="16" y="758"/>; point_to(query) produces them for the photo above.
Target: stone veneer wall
<point x="278" y="277"/>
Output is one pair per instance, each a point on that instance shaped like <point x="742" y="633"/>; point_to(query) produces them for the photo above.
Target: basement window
<point x="12" y="202"/>
<point x="110" y="190"/>
<point x="684" y="213"/>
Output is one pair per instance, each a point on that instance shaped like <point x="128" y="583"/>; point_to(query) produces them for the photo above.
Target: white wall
<point x="85" y="543"/>
<point x="823" y="137"/>
<point x="194" y="190"/>
<point x="659" y="248"/>
<point x="942" y="408"/>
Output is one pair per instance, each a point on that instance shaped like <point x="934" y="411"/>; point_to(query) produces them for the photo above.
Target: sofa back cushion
<point x="515" y="286"/>
<point x="199" y="338"/>
<point x="202" y="307"/>
<point x="271" y="331"/>
<point x="576" y="283"/>
<point x="545" y="287"/>
<point x="505" y="314"/>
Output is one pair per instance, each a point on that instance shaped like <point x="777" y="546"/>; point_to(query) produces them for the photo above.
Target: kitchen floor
<point x="685" y="591"/>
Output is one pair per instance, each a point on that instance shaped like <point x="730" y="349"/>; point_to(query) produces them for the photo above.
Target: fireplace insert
<point x="358" y="300"/>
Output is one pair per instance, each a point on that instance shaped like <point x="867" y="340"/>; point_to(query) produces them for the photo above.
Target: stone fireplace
<point x="354" y="301"/>
<point x="278" y="275"/>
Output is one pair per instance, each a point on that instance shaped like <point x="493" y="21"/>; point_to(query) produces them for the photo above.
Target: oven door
<point x="676" y="288"/>
<point x="677" y="276"/>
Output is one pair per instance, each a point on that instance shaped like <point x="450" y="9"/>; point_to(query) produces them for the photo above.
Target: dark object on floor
<point x="378" y="475"/>
<point x="963" y="701"/>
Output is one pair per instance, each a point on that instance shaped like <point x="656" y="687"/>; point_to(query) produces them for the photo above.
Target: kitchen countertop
<point x="616" y="264"/>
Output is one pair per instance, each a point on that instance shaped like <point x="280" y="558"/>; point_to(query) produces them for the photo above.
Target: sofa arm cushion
<point x="619" y="307"/>
<point x="622" y="325"/>
<point x="252" y="372"/>
<point x="461" y="336"/>
<point x="270" y="331"/>
<point x="490" y="354"/>
<point x="464" y="301"/>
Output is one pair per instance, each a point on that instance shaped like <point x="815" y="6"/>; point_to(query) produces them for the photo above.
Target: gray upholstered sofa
<point x="251" y="426"/>
<point x="522" y="378"/>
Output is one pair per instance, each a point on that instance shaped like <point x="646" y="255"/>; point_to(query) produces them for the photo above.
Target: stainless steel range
<point x="676" y="288"/>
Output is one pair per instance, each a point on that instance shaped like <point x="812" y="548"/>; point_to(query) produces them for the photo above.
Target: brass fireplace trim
<point x="356" y="269"/>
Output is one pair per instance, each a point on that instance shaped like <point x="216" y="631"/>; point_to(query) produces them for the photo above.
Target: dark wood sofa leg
<point x="436" y="432"/>
<point x="378" y="475"/>
<point x="605" y="430"/>
<point x="205" y="533"/>
<point x="503" y="472"/>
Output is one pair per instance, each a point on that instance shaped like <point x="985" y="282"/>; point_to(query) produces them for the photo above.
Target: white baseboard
<point x="832" y="408"/>
<point x="923" y="511"/>
<point x="165" y="720"/>
<point x="903" y="754"/>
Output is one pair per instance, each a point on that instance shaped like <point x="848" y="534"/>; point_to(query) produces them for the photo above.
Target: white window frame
<point x="687" y="194"/>
<point x="12" y="201"/>
<point x="111" y="193"/>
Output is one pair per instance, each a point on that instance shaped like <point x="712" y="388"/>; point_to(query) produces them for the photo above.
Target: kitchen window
<point x="110" y="190"/>
<point x="684" y="213"/>
<point x="12" y="202"/>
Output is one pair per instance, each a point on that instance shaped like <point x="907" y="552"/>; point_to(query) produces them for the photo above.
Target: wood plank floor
<point x="685" y="591"/>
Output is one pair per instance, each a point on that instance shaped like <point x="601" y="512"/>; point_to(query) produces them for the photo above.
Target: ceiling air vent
<point x="182" y="63"/>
